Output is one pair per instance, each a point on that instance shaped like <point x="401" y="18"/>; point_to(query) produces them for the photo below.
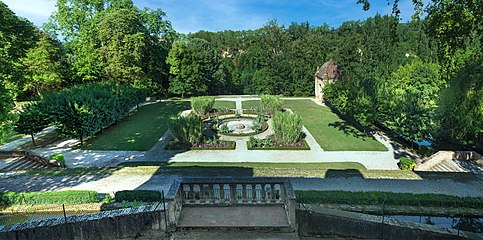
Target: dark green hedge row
<point x="86" y="109"/>
<point x="378" y="198"/>
<point x="62" y="197"/>
<point x="138" y="196"/>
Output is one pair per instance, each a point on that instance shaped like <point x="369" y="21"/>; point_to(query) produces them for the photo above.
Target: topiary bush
<point x="287" y="127"/>
<point x="407" y="163"/>
<point x="187" y="129"/>
<point x="270" y="104"/>
<point x="202" y="105"/>
<point x="138" y="196"/>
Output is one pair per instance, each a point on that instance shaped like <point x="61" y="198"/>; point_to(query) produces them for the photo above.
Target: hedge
<point x="84" y="110"/>
<point x="389" y="198"/>
<point x="138" y="196"/>
<point x="62" y="197"/>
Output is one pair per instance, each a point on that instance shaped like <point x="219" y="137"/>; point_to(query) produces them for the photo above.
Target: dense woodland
<point x="422" y="79"/>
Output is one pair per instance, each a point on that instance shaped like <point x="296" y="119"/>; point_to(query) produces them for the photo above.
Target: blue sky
<point x="211" y="15"/>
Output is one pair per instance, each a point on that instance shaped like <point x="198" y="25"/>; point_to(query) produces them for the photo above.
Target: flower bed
<point x="270" y="144"/>
<point x="221" y="145"/>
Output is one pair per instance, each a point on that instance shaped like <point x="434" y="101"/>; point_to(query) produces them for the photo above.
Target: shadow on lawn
<point x="349" y="129"/>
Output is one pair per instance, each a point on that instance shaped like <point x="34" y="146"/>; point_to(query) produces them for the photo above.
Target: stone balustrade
<point x="231" y="192"/>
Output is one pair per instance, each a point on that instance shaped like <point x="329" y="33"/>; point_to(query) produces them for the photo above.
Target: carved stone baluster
<point x="202" y="193"/>
<point x="222" y="193"/>
<point x="254" y="193"/>
<point x="272" y="193"/>
<point x="263" y="193"/>
<point x="233" y="193"/>
<point x="282" y="193"/>
<point x="244" y="193"/>
<point x="211" y="194"/>
<point x="192" y="194"/>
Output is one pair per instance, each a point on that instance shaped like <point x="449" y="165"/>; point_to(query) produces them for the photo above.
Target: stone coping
<point x="80" y="218"/>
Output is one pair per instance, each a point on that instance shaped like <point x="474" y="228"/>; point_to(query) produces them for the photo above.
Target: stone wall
<point x="145" y="221"/>
<point x="316" y="221"/>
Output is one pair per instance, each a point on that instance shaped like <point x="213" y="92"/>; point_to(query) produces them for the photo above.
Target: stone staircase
<point x="19" y="163"/>
<point x="447" y="166"/>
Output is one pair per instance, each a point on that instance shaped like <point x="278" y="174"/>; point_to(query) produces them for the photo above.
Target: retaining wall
<point x="130" y="223"/>
<point x="316" y="221"/>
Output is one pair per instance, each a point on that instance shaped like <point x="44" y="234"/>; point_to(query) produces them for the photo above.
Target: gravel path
<point x="111" y="182"/>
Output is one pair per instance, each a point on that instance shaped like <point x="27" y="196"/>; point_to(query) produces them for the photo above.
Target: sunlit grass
<point x="140" y="131"/>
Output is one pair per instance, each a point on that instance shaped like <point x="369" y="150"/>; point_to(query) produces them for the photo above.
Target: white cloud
<point x="37" y="11"/>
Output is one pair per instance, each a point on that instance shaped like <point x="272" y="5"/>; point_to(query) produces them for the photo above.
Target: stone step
<point x="19" y="163"/>
<point x="228" y="235"/>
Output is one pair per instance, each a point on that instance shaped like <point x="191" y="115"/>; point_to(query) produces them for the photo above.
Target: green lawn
<point x="224" y="104"/>
<point x="330" y="132"/>
<point x="250" y="104"/>
<point x="140" y="131"/>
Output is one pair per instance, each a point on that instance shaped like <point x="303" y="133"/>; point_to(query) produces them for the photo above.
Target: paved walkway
<point x="107" y="182"/>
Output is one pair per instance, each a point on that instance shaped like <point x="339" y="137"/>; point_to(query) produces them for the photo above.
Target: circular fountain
<point x="239" y="126"/>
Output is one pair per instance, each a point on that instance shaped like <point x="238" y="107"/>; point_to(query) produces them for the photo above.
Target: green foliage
<point x="192" y="65"/>
<point x="461" y="108"/>
<point x="138" y="196"/>
<point x="62" y="197"/>
<point x="224" y="128"/>
<point x="259" y="143"/>
<point x="187" y="129"/>
<point x="202" y="105"/>
<point x="409" y="98"/>
<point x="389" y="198"/>
<point x="270" y="104"/>
<point x="32" y="120"/>
<point x="46" y="66"/>
<point x="6" y="117"/>
<point x="407" y="163"/>
<point x="84" y="110"/>
<point x="59" y="157"/>
<point x="287" y="127"/>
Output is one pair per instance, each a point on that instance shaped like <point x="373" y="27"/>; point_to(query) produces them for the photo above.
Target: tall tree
<point x="46" y="66"/>
<point x="192" y="65"/>
<point x="122" y="42"/>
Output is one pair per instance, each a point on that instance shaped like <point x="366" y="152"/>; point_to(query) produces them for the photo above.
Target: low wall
<point x="316" y="221"/>
<point x="130" y="223"/>
<point x="30" y="156"/>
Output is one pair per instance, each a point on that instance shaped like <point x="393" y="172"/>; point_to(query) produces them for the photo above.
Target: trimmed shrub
<point x="62" y="197"/>
<point x="31" y="121"/>
<point x="407" y="163"/>
<point x="138" y="196"/>
<point x="202" y="105"/>
<point x="270" y="104"/>
<point x="84" y="110"/>
<point x="187" y="129"/>
<point x="389" y="198"/>
<point x="59" y="157"/>
<point x="259" y="143"/>
<point x="287" y="127"/>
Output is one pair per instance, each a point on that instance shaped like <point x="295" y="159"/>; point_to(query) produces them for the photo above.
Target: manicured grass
<point x="41" y="141"/>
<point x="389" y="198"/>
<point x="140" y="131"/>
<point x="330" y="132"/>
<point x="224" y="104"/>
<point x="250" y="104"/>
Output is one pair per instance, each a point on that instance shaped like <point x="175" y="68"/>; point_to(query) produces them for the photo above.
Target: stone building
<point x="328" y="73"/>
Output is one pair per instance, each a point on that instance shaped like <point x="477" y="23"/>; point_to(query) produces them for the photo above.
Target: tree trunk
<point x="33" y="139"/>
<point x="82" y="140"/>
